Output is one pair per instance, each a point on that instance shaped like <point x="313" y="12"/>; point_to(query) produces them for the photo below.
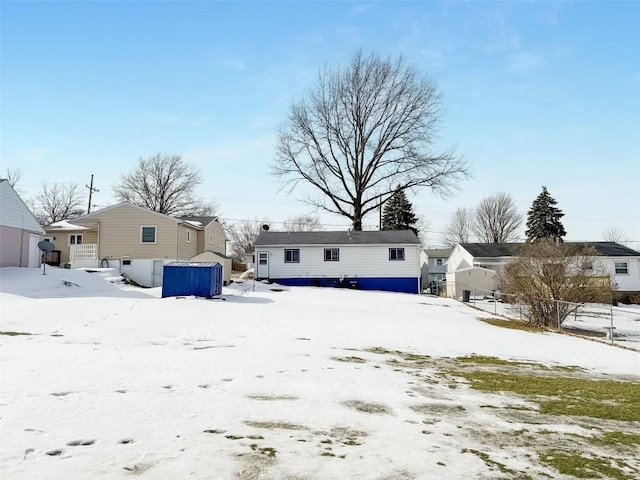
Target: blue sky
<point x="536" y="93"/>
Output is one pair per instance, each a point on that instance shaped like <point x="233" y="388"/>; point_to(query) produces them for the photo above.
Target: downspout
<point x="98" y="247"/>
<point x="21" y="241"/>
<point x="178" y="241"/>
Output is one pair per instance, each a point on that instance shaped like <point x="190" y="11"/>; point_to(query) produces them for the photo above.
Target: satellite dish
<point x="46" y="246"/>
<point x="265" y="227"/>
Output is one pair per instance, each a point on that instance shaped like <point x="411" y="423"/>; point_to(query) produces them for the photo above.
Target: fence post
<point x="558" y="313"/>
<point x="495" y="303"/>
<point x="611" y="317"/>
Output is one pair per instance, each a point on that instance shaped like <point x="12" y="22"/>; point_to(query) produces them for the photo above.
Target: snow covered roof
<point x="65" y="225"/>
<point x="337" y="238"/>
<point x="199" y="221"/>
<point x="438" y="252"/>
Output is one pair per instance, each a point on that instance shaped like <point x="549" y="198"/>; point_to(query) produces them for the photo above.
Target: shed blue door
<point x="198" y="279"/>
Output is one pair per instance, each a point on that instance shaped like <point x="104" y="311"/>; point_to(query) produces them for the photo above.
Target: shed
<point x="188" y="278"/>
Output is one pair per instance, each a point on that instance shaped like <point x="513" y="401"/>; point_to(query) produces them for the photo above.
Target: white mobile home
<point x="376" y="260"/>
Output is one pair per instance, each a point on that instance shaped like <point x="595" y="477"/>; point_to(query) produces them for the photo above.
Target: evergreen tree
<point x="543" y="218"/>
<point x="398" y="213"/>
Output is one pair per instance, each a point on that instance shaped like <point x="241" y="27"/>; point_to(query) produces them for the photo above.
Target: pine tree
<point x="543" y="218"/>
<point x="398" y="213"/>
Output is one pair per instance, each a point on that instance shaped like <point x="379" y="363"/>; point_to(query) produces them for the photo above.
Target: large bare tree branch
<point x="165" y="184"/>
<point x="363" y="131"/>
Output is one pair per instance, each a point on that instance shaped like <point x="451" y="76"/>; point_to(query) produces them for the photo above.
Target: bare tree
<point x="545" y="275"/>
<point x="364" y="131"/>
<point x="459" y="229"/>
<point x="614" y="234"/>
<point x="163" y="183"/>
<point x="302" y="223"/>
<point x="496" y="219"/>
<point x="13" y="176"/>
<point x="243" y="235"/>
<point x="57" y="202"/>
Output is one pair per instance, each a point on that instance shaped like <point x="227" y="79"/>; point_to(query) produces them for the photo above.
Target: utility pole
<point x="91" y="190"/>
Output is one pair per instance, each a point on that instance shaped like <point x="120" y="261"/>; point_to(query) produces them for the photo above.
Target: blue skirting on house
<point x="396" y="284"/>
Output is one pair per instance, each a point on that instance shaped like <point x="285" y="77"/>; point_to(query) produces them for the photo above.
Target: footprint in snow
<point x="125" y="441"/>
<point x="80" y="443"/>
<point x="168" y="387"/>
<point x="121" y="391"/>
<point x="27" y="452"/>
<point x="204" y="385"/>
<point x="60" y="394"/>
<point x="227" y="379"/>
<point x="54" y="453"/>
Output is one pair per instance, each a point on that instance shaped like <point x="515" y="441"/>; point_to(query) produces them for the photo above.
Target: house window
<point x="396" y="254"/>
<point x="439" y="262"/>
<point x="188" y="236"/>
<point x="211" y="238"/>
<point x="292" y="255"/>
<point x="75" y="239"/>
<point x="622" y="268"/>
<point x="147" y="234"/>
<point x="126" y="263"/>
<point x="331" y="254"/>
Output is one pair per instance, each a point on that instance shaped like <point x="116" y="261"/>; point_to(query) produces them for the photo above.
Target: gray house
<point x="374" y="260"/>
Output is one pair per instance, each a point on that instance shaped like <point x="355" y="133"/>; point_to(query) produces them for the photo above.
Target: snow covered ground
<point x="108" y="381"/>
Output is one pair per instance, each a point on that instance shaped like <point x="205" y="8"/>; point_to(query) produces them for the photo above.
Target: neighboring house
<point x="474" y="265"/>
<point x="370" y="260"/>
<point x="138" y="241"/>
<point x="20" y="231"/>
<point x="434" y="265"/>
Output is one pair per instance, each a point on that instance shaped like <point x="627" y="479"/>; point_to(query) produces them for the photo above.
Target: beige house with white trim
<point x="139" y="241"/>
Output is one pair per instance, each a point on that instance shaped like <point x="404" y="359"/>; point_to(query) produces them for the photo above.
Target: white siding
<point x="629" y="282"/>
<point x="355" y="261"/>
<point x="13" y="211"/>
<point x="458" y="259"/>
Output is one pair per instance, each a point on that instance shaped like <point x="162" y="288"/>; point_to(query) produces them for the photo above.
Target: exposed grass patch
<point x="605" y="399"/>
<point x="275" y="425"/>
<point x="437" y="408"/>
<point x="366" y="407"/>
<point x="494" y="465"/>
<point x="513" y="324"/>
<point x="582" y="466"/>
<point x="349" y="359"/>
<point x="14" y="334"/>
<point x="617" y="438"/>
<point x="267" y="451"/>
<point x="268" y="398"/>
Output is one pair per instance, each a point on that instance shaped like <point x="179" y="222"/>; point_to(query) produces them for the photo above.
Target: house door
<point x="157" y="273"/>
<point x="262" y="267"/>
<point x="34" y="251"/>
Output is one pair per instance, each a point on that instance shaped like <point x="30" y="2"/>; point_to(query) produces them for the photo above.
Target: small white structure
<point x="369" y="260"/>
<point x="20" y="231"/>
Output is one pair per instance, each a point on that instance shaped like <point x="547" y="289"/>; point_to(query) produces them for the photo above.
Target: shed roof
<point x="337" y="238"/>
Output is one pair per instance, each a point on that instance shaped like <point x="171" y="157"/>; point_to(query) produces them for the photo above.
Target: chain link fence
<point x="618" y="325"/>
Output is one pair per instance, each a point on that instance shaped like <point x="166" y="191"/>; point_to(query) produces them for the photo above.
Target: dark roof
<point x="337" y="238"/>
<point x="606" y="249"/>
<point x="610" y="249"/>
<point x="492" y="249"/>
<point x="203" y="220"/>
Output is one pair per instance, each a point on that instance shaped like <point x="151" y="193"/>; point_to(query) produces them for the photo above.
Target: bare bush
<point x="549" y="278"/>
